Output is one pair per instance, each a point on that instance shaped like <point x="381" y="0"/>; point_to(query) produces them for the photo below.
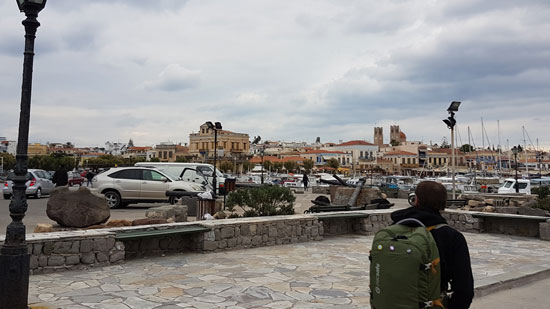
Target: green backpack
<point x="404" y="268"/>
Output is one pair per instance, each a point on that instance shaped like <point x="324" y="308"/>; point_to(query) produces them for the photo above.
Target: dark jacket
<point x="60" y="178"/>
<point x="456" y="269"/>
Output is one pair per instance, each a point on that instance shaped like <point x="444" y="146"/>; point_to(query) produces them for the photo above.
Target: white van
<point x="193" y="172"/>
<point x="509" y="186"/>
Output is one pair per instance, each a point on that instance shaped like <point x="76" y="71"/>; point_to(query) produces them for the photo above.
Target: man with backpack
<point x="420" y="235"/>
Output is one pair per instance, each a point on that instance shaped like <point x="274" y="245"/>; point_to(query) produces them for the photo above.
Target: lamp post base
<point x="14" y="282"/>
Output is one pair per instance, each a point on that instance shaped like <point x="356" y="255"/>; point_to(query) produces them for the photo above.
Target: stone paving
<point x="328" y="273"/>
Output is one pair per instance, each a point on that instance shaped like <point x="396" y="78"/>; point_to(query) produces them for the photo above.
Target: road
<point x="36" y="212"/>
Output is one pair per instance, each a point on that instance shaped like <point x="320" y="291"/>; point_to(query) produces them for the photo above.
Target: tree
<point x="277" y="166"/>
<point x="246" y="166"/>
<point x="8" y="161"/>
<point x="333" y="163"/>
<point x="182" y="159"/>
<point x="394" y="143"/>
<point x="130" y="143"/>
<point x="308" y="164"/>
<point x="466" y="148"/>
<point x="226" y="166"/>
<point x="267" y="165"/>
<point x="290" y="165"/>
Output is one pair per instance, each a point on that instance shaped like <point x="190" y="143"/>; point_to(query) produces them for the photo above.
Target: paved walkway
<point x="329" y="273"/>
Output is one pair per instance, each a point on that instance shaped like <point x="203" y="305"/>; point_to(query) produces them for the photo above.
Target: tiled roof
<point x="139" y="148"/>
<point x="322" y="151"/>
<point x="399" y="153"/>
<point x="356" y="143"/>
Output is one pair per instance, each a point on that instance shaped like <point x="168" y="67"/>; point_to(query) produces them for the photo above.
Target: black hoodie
<point x="456" y="269"/>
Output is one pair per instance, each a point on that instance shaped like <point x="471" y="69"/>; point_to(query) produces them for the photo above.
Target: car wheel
<point x="113" y="199"/>
<point x="7" y="196"/>
<point x="38" y="193"/>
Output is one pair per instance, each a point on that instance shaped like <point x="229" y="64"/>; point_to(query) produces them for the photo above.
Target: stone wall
<point x="463" y="221"/>
<point x="79" y="249"/>
<point x="65" y="251"/>
<point x="258" y="232"/>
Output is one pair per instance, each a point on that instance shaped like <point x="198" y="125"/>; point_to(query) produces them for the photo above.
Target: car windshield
<point x="12" y="174"/>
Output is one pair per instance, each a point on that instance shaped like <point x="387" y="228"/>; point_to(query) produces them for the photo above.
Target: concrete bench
<point x="188" y="229"/>
<point x="351" y="215"/>
<point x="510" y="224"/>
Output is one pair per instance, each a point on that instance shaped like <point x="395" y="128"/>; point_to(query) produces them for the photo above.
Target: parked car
<point x="39" y="182"/>
<point x="124" y="185"/>
<point x="75" y="179"/>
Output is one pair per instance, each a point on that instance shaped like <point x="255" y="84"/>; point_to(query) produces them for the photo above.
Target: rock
<point x="220" y="215"/>
<point x="147" y="221"/>
<point x="77" y="208"/>
<point x="532" y="211"/>
<point x="178" y="213"/>
<point x="384" y="196"/>
<point x="341" y="195"/>
<point x="488" y="209"/>
<point x="43" y="228"/>
<point x="490" y="201"/>
<point x="118" y="223"/>
<point x="474" y="203"/>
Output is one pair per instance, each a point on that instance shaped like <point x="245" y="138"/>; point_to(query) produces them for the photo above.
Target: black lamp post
<point x="215" y="126"/>
<point x="515" y="151"/>
<point x="14" y="257"/>
<point x="451" y="122"/>
<point x="262" y="152"/>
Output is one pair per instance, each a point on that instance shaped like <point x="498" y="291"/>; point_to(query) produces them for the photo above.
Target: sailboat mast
<point x="499" y="151"/>
<point x="525" y="149"/>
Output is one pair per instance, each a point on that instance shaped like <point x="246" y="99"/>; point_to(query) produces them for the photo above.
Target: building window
<point x="170" y="154"/>
<point x="408" y="160"/>
<point x="361" y="154"/>
<point x="402" y="160"/>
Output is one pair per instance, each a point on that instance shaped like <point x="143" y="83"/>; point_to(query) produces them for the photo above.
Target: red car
<point x="75" y="179"/>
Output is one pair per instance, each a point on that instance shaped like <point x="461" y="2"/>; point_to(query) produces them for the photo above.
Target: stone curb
<point x="510" y="280"/>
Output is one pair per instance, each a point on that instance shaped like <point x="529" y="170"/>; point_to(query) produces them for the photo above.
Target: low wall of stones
<point x="87" y="248"/>
<point x="258" y="232"/>
<point x="51" y="252"/>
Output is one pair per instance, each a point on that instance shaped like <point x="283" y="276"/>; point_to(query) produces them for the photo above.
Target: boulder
<point x="490" y="202"/>
<point x="528" y="211"/>
<point x="43" y="228"/>
<point x="177" y="213"/>
<point x="341" y="195"/>
<point x="474" y="203"/>
<point x="148" y="221"/>
<point x="488" y="209"/>
<point x="220" y="215"/>
<point x="78" y="208"/>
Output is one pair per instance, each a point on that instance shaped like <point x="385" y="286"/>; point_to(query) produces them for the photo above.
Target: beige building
<point x="233" y="147"/>
<point x="402" y="160"/>
<point x="37" y="149"/>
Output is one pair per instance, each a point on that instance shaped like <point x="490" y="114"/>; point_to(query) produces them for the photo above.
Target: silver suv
<point x="39" y="182"/>
<point x="124" y="185"/>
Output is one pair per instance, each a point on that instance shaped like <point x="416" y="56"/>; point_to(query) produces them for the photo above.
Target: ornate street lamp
<point x="14" y="257"/>
<point x="451" y="122"/>
<point x="256" y="141"/>
<point x="515" y="151"/>
<point x="215" y="126"/>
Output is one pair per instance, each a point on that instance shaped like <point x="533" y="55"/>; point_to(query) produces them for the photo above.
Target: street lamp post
<point x="14" y="256"/>
<point x="215" y="126"/>
<point x="515" y="151"/>
<point x="256" y="142"/>
<point x="451" y="122"/>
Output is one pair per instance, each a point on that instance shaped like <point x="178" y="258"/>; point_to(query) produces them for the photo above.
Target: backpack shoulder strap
<point x="435" y="227"/>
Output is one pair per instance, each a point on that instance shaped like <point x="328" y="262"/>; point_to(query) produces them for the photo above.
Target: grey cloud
<point x="175" y="77"/>
<point x="74" y="5"/>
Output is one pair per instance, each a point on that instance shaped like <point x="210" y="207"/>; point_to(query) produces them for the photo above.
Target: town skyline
<point x="284" y="71"/>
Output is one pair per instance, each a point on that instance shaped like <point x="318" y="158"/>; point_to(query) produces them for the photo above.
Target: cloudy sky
<point x="286" y="70"/>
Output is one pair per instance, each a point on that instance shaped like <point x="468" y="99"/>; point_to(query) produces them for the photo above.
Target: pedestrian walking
<point x="451" y="261"/>
<point x="89" y="177"/>
<point x="60" y="177"/>
<point x="305" y="181"/>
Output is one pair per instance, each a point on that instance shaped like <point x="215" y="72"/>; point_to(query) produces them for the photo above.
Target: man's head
<point x="431" y="194"/>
